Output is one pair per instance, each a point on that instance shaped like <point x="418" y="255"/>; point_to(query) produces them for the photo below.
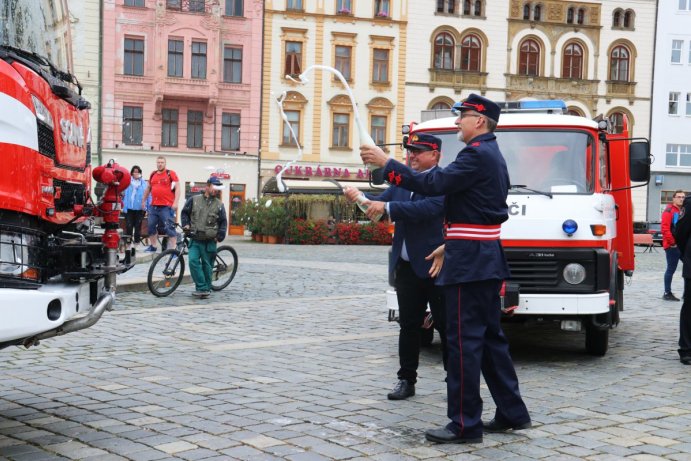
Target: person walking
<point x="419" y="230"/>
<point x="204" y="217"/>
<point x="165" y="194"/>
<point x="473" y="268"/>
<point x="134" y="208"/>
<point x="668" y="222"/>
<point x="682" y="236"/>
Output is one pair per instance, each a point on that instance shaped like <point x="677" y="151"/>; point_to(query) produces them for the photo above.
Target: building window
<point x="232" y="65"/>
<point x="446" y="6"/>
<point x="443" y="51"/>
<point x="132" y="125"/>
<point x="529" y="58"/>
<point x="234" y="8"/>
<point x="619" y="64"/>
<point x="139" y="3"/>
<point x="628" y="20"/>
<point x="344" y="7"/>
<point x="293" y="59"/>
<point x="294" y="5"/>
<point x="381" y="8"/>
<point x="570" y="15"/>
<point x="440" y="106"/>
<point x="537" y="13"/>
<point x="689" y="49"/>
<point x="195" y="129"/>
<point x="572" y="65"/>
<point x="678" y="155"/>
<point x="580" y="19"/>
<point x="175" y="58"/>
<point x="688" y="103"/>
<point x="526" y="12"/>
<point x="380" y="67"/>
<point x="341" y="128"/>
<point x="196" y="6"/>
<point x="198" y="60"/>
<point x="169" y="128"/>
<point x="294" y="121"/>
<point x="676" y="51"/>
<point x="478" y="8"/>
<point x="673" y="107"/>
<point x="173" y="4"/>
<point x="343" y="60"/>
<point x="617" y="121"/>
<point x="230" y="132"/>
<point x="134" y="56"/>
<point x="470" y="53"/>
<point x="466" y="7"/>
<point x="616" y="18"/>
<point x="378" y="129"/>
<point x="684" y="5"/>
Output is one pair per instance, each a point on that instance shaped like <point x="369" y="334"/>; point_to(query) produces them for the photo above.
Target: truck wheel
<point x="596" y="341"/>
<point x="426" y="336"/>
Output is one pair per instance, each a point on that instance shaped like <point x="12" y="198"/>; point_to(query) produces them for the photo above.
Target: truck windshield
<point x="558" y="162"/>
<point x="41" y="27"/>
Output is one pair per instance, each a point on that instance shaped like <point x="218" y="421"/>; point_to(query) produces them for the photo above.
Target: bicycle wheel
<point x="225" y="267"/>
<point x="165" y="273"/>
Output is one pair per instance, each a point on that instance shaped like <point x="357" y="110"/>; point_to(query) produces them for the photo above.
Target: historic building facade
<point x="670" y="135"/>
<point x="366" y="41"/>
<point x="181" y="78"/>
<point x="596" y="56"/>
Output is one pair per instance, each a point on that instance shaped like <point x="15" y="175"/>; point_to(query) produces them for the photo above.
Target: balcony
<point x="619" y="89"/>
<point x="457" y="79"/>
<point x="133" y="84"/>
<point x="186" y="88"/>
<point x="550" y="87"/>
<point x="187" y="6"/>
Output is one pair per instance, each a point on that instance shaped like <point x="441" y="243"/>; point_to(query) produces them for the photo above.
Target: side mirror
<point x="639" y="161"/>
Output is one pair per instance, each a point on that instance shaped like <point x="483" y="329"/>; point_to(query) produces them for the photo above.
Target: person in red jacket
<point x="668" y="222"/>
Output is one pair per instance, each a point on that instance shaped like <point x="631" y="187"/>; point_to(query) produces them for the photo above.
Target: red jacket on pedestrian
<point x="669" y="220"/>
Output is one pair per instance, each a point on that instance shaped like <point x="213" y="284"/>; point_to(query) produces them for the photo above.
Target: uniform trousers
<point x="685" y="321"/>
<point x="476" y="343"/>
<point x="201" y="260"/>
<point x="413" y="293"/>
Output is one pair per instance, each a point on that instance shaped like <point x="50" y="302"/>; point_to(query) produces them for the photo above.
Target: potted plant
<point x="277" y="219"/>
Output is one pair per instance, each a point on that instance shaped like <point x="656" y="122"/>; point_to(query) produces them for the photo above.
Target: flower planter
<point x="265" y="239"/>
<point x="272" y="239"/>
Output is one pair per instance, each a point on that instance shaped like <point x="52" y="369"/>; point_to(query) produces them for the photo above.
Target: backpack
<point x="170" y="178"/>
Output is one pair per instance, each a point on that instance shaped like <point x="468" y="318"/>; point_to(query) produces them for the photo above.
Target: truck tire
<point x="596" y="341"/>
<point x="426" y="336"/>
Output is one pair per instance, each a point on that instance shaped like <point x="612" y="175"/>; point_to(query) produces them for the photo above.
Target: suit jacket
<point x="419" y="222"/>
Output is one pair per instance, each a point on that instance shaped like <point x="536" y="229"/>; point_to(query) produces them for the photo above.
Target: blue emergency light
<point x="546" y="106"/>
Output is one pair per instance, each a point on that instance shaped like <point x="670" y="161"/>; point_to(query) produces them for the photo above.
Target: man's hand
<point x="375" y="209"/>
<point x="351" y="193"/>
<point x="437" y="257"/>
<point x="373" y="155"/>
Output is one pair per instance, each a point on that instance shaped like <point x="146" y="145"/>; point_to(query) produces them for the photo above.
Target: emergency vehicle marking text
<point x="515" y="209"/>
<point x="71" y="133"/>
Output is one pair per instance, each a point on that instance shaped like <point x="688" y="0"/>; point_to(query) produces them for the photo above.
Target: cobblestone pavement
<point x="294" y="359"/>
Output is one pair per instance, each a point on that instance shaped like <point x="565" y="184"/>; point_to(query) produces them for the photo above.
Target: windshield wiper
<point x="523" y="187"/>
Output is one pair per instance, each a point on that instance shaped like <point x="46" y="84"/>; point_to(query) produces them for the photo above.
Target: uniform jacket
<point x="133" y="196"/>
<point x="216" y="212"/>
<point x="475" y="186"/>
<point x="419" y="222"/>
<point x="667" y="223"/>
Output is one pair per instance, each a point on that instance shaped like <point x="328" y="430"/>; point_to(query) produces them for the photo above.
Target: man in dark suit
<point x="419" y="230"/>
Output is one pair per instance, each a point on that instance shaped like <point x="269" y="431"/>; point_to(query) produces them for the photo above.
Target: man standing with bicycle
<point x="204" y="217"/>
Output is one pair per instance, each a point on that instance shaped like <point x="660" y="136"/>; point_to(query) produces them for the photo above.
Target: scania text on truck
<point x="569" y="237"/>
<point x="58" y="249"/>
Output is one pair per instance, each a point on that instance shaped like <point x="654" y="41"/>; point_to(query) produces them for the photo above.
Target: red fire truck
<point x="58" y="249"/>
<point x="569" y="237"/>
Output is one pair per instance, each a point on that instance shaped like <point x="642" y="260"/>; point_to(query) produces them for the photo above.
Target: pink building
<point x="181" y="78"/>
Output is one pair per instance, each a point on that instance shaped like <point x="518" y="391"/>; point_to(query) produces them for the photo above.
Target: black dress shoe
<point x="686" y="360"/>
<point x="670" y="297"/>
<point x="495" y="426"/>
<point x="402" y="390"/>
<point x="446" y="435"/>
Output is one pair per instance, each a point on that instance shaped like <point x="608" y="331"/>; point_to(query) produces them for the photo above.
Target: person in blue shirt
<point x="132" y="206"/>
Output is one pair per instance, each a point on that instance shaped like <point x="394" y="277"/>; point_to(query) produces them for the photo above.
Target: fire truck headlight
<point x="42" y="112"/>
<point x="570" y="227"/>
<point x="574" y="273"/>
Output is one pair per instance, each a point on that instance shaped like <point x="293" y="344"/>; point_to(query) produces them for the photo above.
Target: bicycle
<point x="168" y="268"/>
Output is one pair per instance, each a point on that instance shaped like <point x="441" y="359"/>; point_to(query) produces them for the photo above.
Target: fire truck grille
<point x="46" y="141"/>
<point x="67" y="195"/>
<point x="534" y="275"/>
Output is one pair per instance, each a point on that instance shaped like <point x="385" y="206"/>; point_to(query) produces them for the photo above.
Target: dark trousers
<point x="133" y="225"/>
<point x="685" y="322"/>
<point x="477" y="343"/>
<point x="673" y="255"/>
<point x="413" y="294"/>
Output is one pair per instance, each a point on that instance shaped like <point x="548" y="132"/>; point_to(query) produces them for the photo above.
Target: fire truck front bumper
<point x="27" y="313"/>
<point x="561" y="304"/>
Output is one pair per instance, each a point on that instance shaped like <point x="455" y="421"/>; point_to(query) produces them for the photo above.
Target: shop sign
<point x="320" y="171"/>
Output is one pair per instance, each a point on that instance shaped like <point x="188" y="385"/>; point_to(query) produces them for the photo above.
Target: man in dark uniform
<point x="419" y="231"/>
<point x="476" y="186"/>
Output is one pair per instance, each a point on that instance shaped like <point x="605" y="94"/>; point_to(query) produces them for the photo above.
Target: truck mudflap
<point x="51" y="310"/>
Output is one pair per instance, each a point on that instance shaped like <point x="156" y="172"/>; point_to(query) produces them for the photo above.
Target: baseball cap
<point x="216" y="183"/>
